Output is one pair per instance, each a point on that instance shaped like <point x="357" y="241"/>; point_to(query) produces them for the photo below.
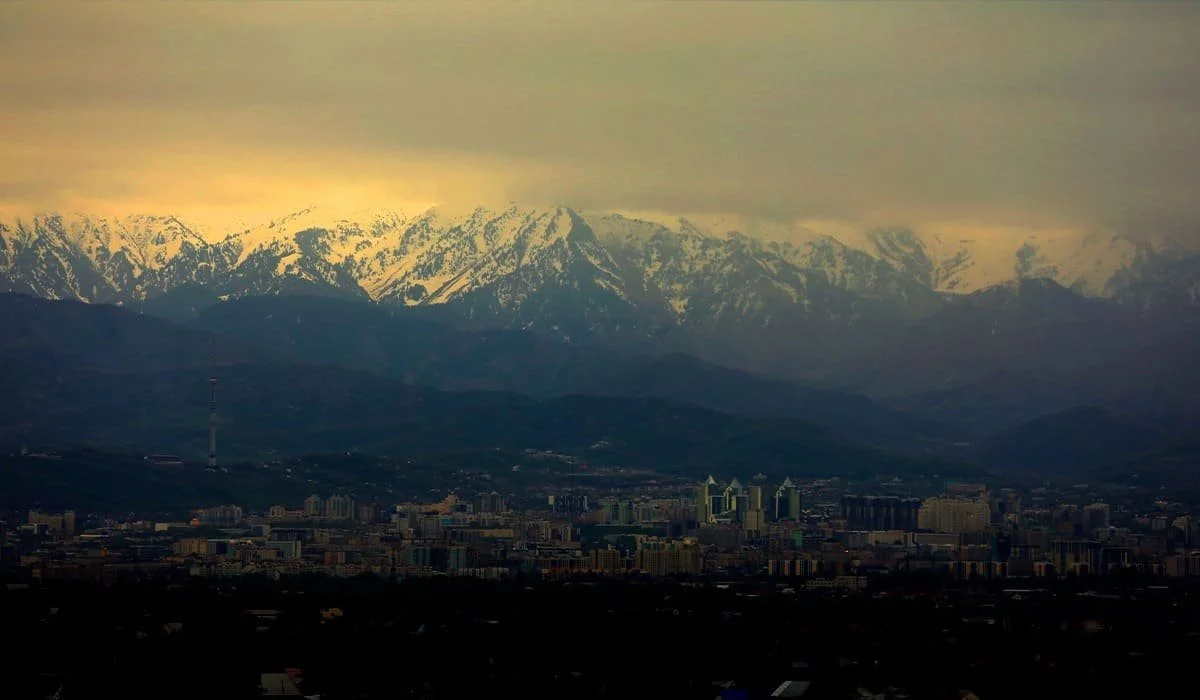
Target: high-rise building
<point x="617" y="511"/>
<point x="716" y="505"/>
<point x="786" y="504"/>
<point x="741" y="505"/>
<point x="366" y="513"/>
<point x="731" y="494"/>
<point x="340" y="507"/>
<point x="954" y="515"/>
<point x="880" y="512"/>
<point x="757" y="497"/>
<point x="57" y="523"/>
<point x="220" y="515"/>
<point x="491" y="503"/>
<point x="314" y="506"/>
<point x="659" y="557"/>
<point x="754" y="520"/>
<point x="608" y="560"/>
<point x="703" y="500"/>
<point x="570" y="503"/>
<point x="430" y="527"/>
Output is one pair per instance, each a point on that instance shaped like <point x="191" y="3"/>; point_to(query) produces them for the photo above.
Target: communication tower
<point x="212" y="408"/>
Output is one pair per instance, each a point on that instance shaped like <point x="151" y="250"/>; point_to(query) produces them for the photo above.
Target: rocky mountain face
<point x="903" y="340"/>
<point x="690" y="271"/>
<point x="790" y="302"/>
<point x="98" y="260"/>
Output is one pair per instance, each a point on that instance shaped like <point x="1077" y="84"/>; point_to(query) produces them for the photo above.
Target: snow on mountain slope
<point x="444" y="256"/>
<point x="107" y="260"/>
<point x="705" y="279"/>
<point x="427" y="259"/>
<point x="944" y="258"/>
<point x="958" y="259"/>
<point x="966" y="261"/>
<point x="699" y="271"/>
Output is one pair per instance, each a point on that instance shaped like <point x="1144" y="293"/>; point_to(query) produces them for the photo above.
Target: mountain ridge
<point x="867" y="311"/>
<point x="393" y="343"/>
<point x="72" y="385"/>
<point x="429" y="257"/>
<point x="327" y="374"/>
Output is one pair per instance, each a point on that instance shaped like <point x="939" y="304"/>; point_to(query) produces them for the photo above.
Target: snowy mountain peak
<point x="529" y="264"/>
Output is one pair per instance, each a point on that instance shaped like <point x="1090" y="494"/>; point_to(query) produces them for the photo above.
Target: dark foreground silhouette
<point x="457" y="638"/>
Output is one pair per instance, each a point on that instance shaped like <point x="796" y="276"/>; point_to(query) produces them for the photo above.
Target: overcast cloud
<point x="1000" y="114"/>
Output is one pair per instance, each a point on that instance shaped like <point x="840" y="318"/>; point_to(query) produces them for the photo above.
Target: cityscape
<point x="997" y="566"/>
<point x="552" y="350"/>
<point x="814" y="533"/>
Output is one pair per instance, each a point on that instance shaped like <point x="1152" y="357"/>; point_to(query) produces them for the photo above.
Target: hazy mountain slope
<point x="1176" y="462"/>
<point x="98" y="335"/>
<point x="315" y="331"/>
<point x="96" y="373"/>
<point x="1164" y="284"/>
<point x="1159" y="381"/>
<point x="1027" y="326"/>
<point x="1073" y="441"/>
<point x="966" y="262"/>
<point x="423" y="351"/>
<point x="953" y="259"/>
<point x="295" y="410"/>
<point x="400" y="343"/>
<point x="1154" y="380"/>
<point x="687" y="379"/>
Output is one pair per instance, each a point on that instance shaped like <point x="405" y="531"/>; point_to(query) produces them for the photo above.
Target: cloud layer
<point x="1025" y="114"/>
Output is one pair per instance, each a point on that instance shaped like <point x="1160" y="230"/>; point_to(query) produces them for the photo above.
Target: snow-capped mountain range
<point x="565" y="269"/>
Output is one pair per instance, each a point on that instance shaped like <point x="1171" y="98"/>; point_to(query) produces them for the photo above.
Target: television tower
<point x="212" y="408"/>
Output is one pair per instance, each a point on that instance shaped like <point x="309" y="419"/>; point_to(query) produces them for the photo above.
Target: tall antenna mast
<point x="212" y="407"/>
